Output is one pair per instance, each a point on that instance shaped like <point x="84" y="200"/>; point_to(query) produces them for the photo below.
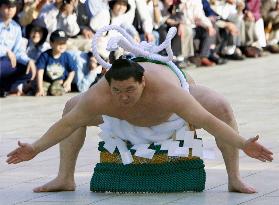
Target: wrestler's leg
<point x="220" y="108"/>
<point x="69" y="150"/>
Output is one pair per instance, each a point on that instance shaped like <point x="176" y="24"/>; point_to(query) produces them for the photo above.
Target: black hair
<point x="89" y="54"/>
<point x="123" y="69"/>
<point x="112" y="3"/>
<point x="34" y="28"/>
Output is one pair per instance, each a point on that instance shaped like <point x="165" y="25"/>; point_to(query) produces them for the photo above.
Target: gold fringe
<point x="157" y="158"/>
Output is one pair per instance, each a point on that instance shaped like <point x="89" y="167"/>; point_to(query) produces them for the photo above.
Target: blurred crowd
<point x="45" y="45"/>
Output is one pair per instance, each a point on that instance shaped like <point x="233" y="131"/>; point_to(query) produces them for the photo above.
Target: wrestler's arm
<point x="190" y="110"/>
<point x="78" y="117"/>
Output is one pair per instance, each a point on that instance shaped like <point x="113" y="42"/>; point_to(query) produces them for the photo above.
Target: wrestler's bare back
<point x="153" y="107"/>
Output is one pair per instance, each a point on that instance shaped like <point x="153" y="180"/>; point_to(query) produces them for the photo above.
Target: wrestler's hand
<point x="24" y="152"/>
<point x="253" y="149"/>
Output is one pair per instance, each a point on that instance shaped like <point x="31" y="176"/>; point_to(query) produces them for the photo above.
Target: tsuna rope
<point x="142" y="49"/>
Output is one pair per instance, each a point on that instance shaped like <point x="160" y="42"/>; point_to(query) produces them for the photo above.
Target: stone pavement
<point x="252" y="88"/>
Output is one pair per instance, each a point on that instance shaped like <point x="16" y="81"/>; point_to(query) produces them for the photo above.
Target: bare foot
<point x="236" y="185"/>
<point x="55" y="185"/>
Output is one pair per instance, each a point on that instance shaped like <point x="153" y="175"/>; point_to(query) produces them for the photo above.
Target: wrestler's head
<point x="126" y="81"/>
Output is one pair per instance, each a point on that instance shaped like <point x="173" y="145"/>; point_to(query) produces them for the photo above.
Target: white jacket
<point x="192" y="10"/>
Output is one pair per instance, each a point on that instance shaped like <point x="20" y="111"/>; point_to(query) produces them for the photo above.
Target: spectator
<point x="36" y="41"/>
<point x="59" y="14"/>
<point x="220" y="39"/>
<point x="16" y="68"/>
<point x="203" y="30"/>
<point x="140" y="17"/>
<point x="31" y="11"/>
<point x="56" y="68"/>
<point x="88" y="70"/>
<point x="95" y="6"/>
<point x="118" y="9"/>
<point x="115" y="16"/>
<point x="253" y="14"/>
<point x="270" y="14"/>
<point x="86" y="10"/>
<point x="166" y="17"/>
<point x="230" y="12"/>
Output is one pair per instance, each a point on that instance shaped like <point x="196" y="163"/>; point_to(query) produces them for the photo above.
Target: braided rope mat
<point x="156" y="175"/>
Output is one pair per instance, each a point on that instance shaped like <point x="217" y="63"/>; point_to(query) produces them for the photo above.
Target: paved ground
<point x="252" y="88"/>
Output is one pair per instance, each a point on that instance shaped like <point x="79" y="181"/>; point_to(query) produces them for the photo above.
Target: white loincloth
<point x="116" y="132"/>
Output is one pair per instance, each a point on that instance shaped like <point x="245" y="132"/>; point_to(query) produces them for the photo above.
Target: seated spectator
<point x="56" y="68"/>
<point x="16" y="68"/>
<point x="88" y="70"/>
<point x="142" y="21"/>
<point x="114" y="16"/>
<point x="36" y="41"/>
<point x="31" y="11"/>
<point x="58" y="14"/>
<point x="167" y="16"/>
<point x="254" y="37"/>
<point x="270" y="14"/>
<point x="230" y="13"/>
<point x="85" y="11"/>
<point x="253" y="13"/>
<point x="218" y="41"/>
<point x="203" y="30"/>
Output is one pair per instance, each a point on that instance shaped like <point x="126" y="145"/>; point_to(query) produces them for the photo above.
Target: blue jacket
<point x="11" y="39"/>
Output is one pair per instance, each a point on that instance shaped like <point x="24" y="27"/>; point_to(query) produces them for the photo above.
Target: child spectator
<point x="15" y="66"/>
<point x="56" y="68"/>
<point x="37" y="44"/>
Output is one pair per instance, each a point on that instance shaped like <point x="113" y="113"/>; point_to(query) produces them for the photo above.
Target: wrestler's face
<point x="127" y="92"/>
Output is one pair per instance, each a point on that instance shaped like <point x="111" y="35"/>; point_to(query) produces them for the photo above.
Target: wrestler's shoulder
<point x="160" y="74"/>
<point x="98" y="93"/>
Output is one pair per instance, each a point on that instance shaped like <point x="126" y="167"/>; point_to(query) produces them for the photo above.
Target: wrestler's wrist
<point x="242" y="143"/>
<point x="37" y="148"/>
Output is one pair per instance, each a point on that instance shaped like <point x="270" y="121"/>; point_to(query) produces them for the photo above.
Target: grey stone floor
<point x="252" y="87"/>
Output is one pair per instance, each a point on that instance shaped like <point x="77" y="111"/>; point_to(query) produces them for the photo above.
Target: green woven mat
<point x="180" y="176"/>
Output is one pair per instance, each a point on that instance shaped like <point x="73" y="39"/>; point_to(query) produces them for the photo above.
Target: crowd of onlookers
<point x="45" y="45"/>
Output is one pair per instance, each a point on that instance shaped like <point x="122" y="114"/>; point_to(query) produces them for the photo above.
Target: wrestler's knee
<point x="224" y="110"/>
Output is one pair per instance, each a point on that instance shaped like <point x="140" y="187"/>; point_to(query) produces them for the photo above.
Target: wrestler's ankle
<point x="234" y="177"/>
<point x="67" y="178"/>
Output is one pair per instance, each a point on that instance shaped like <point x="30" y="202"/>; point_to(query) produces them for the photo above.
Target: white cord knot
<point x="113" y="43"/>
<point x="126" y="42"/>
